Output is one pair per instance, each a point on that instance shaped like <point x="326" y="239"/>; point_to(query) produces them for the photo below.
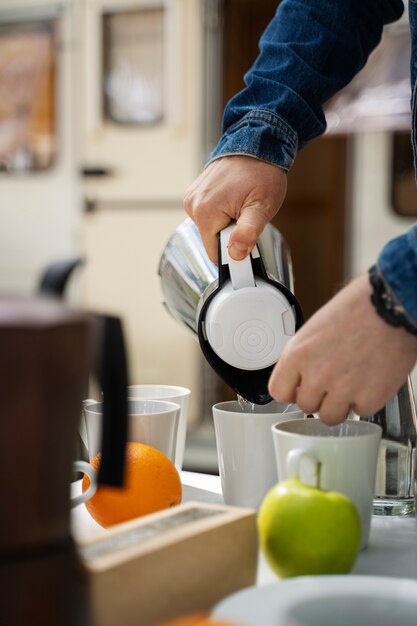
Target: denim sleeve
<point x="397" y="266"/>
<point x="309" y="51"/>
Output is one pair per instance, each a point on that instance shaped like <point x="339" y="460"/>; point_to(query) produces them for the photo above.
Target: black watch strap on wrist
<point x="386" y="304"/>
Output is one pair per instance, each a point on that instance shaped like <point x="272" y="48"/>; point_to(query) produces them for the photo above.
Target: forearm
<point x="310" y="50"/>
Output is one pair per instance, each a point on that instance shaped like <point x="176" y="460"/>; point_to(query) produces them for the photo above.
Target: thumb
<point x="248" y="229"/>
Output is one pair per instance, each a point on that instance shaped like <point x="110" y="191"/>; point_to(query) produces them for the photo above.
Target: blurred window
<point x="134" y="66"/>
<point x="404" y="188"/>
<point x="27" y="96"/>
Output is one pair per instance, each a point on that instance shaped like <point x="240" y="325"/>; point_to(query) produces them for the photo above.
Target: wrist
<point x="386" y="304"/>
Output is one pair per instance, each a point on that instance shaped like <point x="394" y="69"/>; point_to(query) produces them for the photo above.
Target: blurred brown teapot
<point x="47" y="353"/>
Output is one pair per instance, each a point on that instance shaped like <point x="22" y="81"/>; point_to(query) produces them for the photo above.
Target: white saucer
<point x="324" y="601"/>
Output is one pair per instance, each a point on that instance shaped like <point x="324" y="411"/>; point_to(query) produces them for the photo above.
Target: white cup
<point x="152" y="422"/>
<point x="245" y="451"/>
<point x="169" y="393"/>
<point x="85" y="468"/>
<point x="347" y="454"/>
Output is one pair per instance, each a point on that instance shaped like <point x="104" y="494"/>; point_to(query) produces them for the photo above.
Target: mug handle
<point x="293" y="463"/>
<point x="85" y="468"/>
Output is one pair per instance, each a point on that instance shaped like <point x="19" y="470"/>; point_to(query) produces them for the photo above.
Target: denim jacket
<point x="310" y="50"/>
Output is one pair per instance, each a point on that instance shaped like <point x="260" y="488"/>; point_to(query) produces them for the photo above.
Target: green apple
<point x="304" y="530"/>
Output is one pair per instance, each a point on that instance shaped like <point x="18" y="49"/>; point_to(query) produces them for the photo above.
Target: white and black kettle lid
<point x="245" y="323"/>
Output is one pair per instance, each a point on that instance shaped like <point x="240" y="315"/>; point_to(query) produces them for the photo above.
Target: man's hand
<point x="345" y="357"/>
<point x="237" y="188"/>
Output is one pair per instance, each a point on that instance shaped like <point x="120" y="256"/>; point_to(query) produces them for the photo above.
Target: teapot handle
<point x="111" y="374"/>
<point x="55" y="277"/>
<point x="110" y="369"/>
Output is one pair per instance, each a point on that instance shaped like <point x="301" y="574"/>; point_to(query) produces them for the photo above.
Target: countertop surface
<point x="392" y="549"/>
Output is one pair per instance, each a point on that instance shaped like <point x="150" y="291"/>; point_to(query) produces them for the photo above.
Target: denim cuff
<point x="396" y="270"/>
<point x="263" y="135"/>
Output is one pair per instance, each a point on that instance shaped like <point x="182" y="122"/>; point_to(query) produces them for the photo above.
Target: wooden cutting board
<point x="176" y="561"/>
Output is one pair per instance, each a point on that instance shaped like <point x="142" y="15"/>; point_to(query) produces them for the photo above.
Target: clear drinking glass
<point x="394" y="485"/>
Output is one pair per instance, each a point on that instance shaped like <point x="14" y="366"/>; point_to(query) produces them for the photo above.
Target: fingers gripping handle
<point x="241" y="272"/>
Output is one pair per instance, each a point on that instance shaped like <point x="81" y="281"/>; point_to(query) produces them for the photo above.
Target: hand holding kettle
<point x="238" y="189"/>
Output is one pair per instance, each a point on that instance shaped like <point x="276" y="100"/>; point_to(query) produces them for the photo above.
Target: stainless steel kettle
<point x="243" y="312"/>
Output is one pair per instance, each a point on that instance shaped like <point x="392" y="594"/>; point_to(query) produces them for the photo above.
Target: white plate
<point x="324" y="601"/>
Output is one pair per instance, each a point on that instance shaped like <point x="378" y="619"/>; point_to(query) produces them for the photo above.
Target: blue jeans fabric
<point x="397" y="265"/>
<point x="310" y="50"/>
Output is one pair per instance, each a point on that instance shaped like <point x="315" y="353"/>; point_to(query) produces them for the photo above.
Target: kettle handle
<point x="111" y="374"/>
<point x="241" y="273"/>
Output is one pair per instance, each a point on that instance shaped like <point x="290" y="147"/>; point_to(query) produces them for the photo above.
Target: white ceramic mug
<point x="168" y="393"/>
<point x="347" y="454"/>
<point x="245" y="451"/>
<point x="150" y="421"/>
<point x="85" y="468"/>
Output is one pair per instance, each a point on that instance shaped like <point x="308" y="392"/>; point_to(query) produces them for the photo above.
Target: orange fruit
<point x="196" y="619"/>
<point x="152" y="483"/>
